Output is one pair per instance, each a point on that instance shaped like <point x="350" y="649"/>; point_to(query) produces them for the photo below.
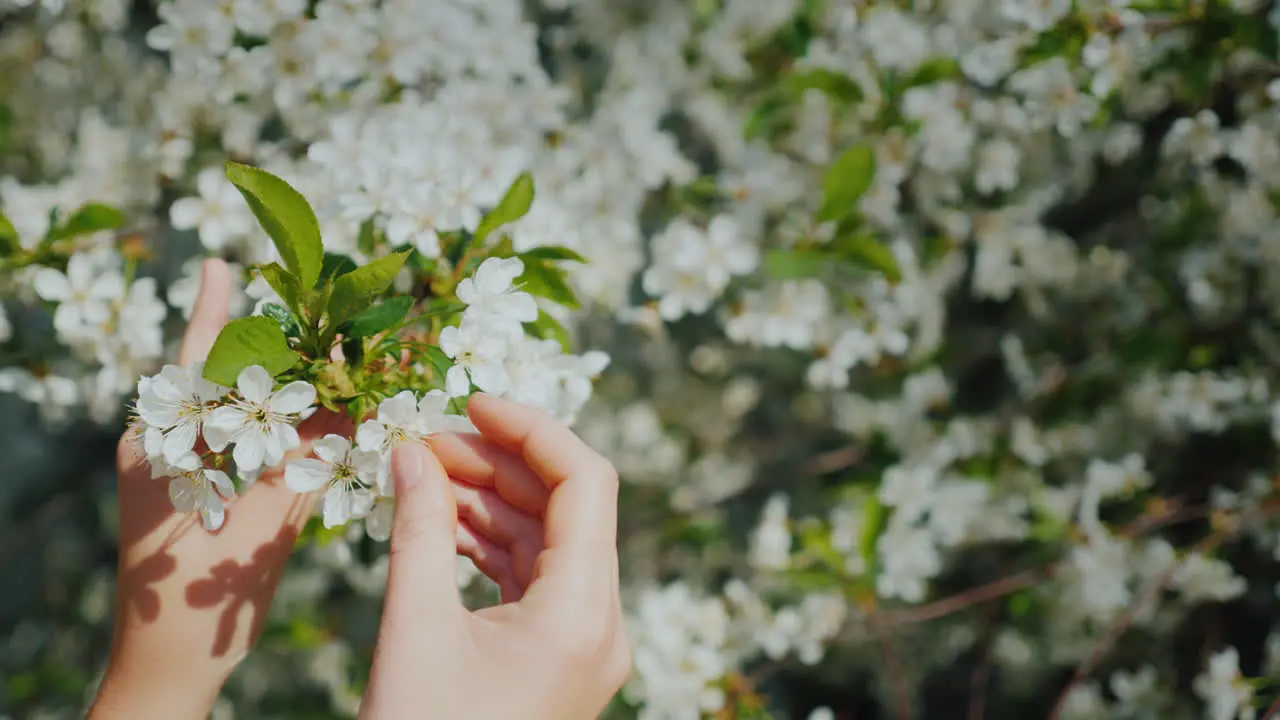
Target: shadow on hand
<point x="235" y="586"/>
<point x="144" y="503"/>
<point x="140" y="577"/>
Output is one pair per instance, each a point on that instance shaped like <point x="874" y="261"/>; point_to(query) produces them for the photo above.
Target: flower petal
<point x="51" y="285"/>
<point x="399" y="410"/>
<point x="184" y="493"/>
<point x="153" y="443"/>
<point x="292" y="398"/>
<point x="332" y="448"/>
<point x="457" y="382"/>
<point x="466" y="291"/>
<point x="229" y="419"/>
<point x="378" y="524"/>
<point x="521" y="306"/>
<point x="179" y="441"/>
<point x="306" y="475"/>
<point x="212" y="517"/>
<point x="337" y="507"/>
<point x="490" y="377"/>
<point x="371" y="435"/>
<point x="250" y="450"/>
<point x="254" y="384"/>
<point x="288" y="435"/>
<point x="221" y="483"/>
<point x="451" y="340"/>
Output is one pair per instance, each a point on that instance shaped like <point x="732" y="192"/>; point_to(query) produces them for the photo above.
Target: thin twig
<point x="1175" y="512"/>
<point x="981" y="676"/>
<point x="895" y="671"/>
<point x="973" y="596"/>
<point x="1127" y="618"/>
<point x="832" y="461"/>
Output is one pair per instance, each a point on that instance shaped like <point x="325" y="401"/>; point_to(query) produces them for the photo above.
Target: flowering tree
<point x="938" y="334"/>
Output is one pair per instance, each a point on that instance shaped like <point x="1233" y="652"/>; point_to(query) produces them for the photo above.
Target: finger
<point x="549" y="447"/>
<point x="494" y="519"/>
<point x="422" y="576"/>
<point x="493" y="561"/>
<point x="472" y="459"/>
<point x="210" y="312"/>
<point x="581" y="519"/>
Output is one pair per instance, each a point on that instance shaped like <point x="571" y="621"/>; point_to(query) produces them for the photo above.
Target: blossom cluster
<point x="255" y="424"/>
<point x="940" y="333"/>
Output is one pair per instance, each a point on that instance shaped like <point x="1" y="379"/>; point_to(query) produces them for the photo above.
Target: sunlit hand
<point x="537" y="511"/>
<point x="190" y="603"/>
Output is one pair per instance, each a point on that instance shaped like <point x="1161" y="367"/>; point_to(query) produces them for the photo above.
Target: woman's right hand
<point x="536" y="509"/>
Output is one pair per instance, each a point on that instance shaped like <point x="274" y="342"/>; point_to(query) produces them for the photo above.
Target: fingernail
<point x="408" y="466"/>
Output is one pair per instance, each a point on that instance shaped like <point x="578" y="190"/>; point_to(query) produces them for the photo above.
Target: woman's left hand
<point x="190" y="603"/>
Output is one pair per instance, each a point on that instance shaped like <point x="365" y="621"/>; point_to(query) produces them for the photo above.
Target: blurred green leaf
<point x="874" y="520"/>
<point x="867" y="251"/>
<point x="92" y="218"/>
<point x="793" y="263"/>
<point x="550" y="282"/>
<point x="547" y="327"/>
<point x="513" y="206"/>
<point x="847" y="179"/>
<point x="835" y="85"/>
<point x="9" y="241"/>
<point x="439" y="362"/>
<point x="551" y="252"/>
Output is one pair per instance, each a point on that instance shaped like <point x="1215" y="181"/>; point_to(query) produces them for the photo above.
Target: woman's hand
<point x="190" y="603"/>
<point x="537" y="511"/>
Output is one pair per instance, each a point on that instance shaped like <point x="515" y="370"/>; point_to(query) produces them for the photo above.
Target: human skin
<point x="537" y="510"/>
<point x="191" y="603"/>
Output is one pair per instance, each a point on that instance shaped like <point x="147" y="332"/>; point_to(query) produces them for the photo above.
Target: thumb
<point x="422" y="576"/>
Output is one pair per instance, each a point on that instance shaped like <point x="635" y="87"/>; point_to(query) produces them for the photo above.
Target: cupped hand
<point x="190" y="603"/>
<point x="536" y="509"/>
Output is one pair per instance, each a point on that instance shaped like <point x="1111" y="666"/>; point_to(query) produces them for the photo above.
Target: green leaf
<point x="439" y="362"/>
<point x="9" y="242"/>
<point x="357" y="290"/>
<point x="367" y="240"/>
<point x="285" y="285"/>
<point x="287" y="218"/>
<point x="548" y="281"/>
<point x="847" y="179"/>
<point x="335" y="265"/>
<point x="245" y="342"/>
<point x="377" y="318"/>
<point x="874" y="519"/>
<point x="285" y="319"/>
<point x="513" y="206"/>
<point x="6" y="124"/>
<point x="551" y="252"/>
<point x="444" y="306"/>
<point x="91" y="218"/>
<point x="768" y="118"/>
<point x="547" y="327"/>
<point x="869" y="252"/>
<point x="837" y="86"/>
<point x="791" y="263"/>
<point x="420" y="262"/>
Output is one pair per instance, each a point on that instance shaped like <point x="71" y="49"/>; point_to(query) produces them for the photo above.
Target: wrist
<point x="133" y="689"/>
